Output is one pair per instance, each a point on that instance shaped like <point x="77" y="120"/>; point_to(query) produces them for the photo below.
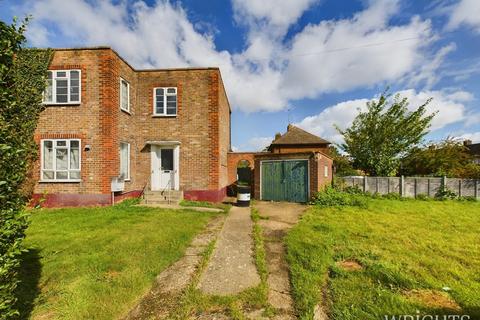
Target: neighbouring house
<point x="473" y="149"/>
<point x="296" y="166"/>
<point x="162" y="129"/>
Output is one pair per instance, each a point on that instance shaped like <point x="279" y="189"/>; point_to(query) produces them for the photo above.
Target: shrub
<point x="393" y="196"/>
<point x="422" y="196"/>
<point x="334" y="197"/>
<point x="22" y="81"/>
<point x="467" y="198"/>
<point x="445" y="194"/>
<point x="353" y="190"/>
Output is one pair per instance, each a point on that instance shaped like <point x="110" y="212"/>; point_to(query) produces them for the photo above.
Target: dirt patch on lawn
<point x="349" y="265"/>
<point x="433" y="299"/>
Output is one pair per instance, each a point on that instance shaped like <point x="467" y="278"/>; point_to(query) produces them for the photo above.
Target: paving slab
<point x="231" y="268"/>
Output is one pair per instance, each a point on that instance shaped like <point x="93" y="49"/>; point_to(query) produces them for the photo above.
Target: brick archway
<point x="233" y="159"/>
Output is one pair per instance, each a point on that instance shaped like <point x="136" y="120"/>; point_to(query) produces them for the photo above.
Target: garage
<point x="285" y="180"/>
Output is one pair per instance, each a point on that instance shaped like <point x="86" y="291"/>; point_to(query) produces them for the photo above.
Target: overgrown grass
<point x="401" y="245"/>
<point x="193" y="301"/>
<point x="94" y="263"/>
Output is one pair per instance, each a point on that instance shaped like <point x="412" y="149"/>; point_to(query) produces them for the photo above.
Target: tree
<point x="446" y="158"/>
<point x="386" y="131"/>
<point x="22" y="81"/>
<point x="342" y="163"/>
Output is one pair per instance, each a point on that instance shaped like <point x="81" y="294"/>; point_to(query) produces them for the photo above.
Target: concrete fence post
<point x="444" y="183"/>
<point x="364" y="183"/>
<point x="475" y="191"/>
<point x="402" y="186"/>
<point x="415" y="187"/>
<point x="459" y="187"/>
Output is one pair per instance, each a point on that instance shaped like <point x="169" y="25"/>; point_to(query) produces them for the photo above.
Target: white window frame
<point x="54" y="88"/>
<point x="127" y="178"/>
<point x="325" y="171"/>
<point x="128" y="96"/>
<point x="54" y="163"/>
<point x="164" y="114"/>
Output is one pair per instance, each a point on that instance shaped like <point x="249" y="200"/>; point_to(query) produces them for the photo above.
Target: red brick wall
<point x="77" y="121"/>
<point x="192" y="126"/>
<point x="224" y="133"/>
<point x="128" y="126"/>
<point x="297" y="149"/>
<point x="202" y="124"/>
<point x="233" y="159"/>
<point x="322" y="162"/>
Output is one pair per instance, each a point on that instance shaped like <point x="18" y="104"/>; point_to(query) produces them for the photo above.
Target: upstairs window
<point x="60" y="160"/>
<point x="63" y="87"/>
<point x="124" y="95"/>
<point x="165" y="101"/>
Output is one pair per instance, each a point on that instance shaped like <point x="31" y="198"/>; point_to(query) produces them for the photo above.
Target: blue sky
<point x="313" y="63"/>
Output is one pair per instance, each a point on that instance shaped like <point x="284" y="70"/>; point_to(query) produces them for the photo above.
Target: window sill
<point x="126" y="111"/>
<point x="164" y="116"/>
<point x="60" y="181"/>
<point x="61" y="104"/>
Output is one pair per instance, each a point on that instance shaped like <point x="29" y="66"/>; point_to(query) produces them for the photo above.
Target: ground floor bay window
<point x="60" y="160"/>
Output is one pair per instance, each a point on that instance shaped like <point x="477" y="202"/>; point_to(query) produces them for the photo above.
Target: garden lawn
<point x="94" y="263"/>
<point x="408" y="251"/>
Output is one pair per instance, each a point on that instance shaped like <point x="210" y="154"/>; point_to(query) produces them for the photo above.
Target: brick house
<point x="155" y="129"/>
<point x="295" y="167"/>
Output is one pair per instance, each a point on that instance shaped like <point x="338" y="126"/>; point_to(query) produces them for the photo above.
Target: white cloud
<point x="341" y="114"/>
<point x="428" y="72"/>
<point x="331" y="56"/>
<point x="274" y="14"/>
<point x="254" y="144"/>
<point x="449" y="106"/>
<point x="473" y="136"/>
<point x="257" y="143"/>
<point x="357" y="52"/>
<point x="465" y="12"/>
<point x="473" y="119"/>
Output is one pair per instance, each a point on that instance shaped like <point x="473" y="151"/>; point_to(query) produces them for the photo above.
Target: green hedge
<point x="22" y="81"/>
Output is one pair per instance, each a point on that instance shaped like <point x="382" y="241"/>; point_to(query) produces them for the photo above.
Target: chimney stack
<point x="467" y="142"/>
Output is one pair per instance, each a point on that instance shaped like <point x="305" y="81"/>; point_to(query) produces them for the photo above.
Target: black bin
<point x="243" y="196"/>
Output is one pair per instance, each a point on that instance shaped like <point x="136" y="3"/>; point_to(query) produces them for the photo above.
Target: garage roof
<point x="297" y="136"/>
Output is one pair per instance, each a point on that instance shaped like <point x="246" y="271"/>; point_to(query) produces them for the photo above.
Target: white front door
<point x="164" y="168"/>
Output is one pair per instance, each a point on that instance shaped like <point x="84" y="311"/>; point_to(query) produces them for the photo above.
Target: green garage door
<point x="285" y="180"/>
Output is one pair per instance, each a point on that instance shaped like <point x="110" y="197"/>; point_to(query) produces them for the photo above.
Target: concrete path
<point x="231" y="268"/>
<point x="281" y="217"/>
